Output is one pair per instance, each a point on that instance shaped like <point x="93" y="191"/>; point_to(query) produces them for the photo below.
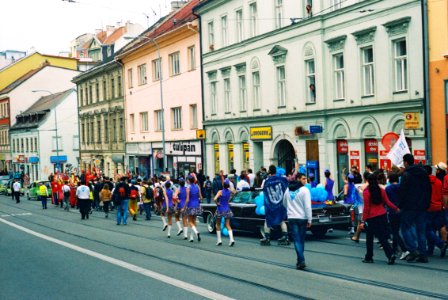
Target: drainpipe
<point x="427" y="110"/>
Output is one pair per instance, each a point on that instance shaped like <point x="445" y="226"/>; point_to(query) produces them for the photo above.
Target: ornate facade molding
<point x="337" y="43"/>
<point x="365" y="36"/>
<point x="278" y="54"/>
<point x="397" y="27"/>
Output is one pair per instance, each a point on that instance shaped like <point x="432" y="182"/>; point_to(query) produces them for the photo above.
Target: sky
<point x="48" y="26"/>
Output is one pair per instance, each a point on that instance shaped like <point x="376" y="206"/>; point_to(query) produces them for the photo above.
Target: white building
<point x="34" y="147"/>
<point x="272" y="69"/>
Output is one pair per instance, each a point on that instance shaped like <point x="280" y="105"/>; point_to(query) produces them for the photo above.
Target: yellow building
<point x="438" y="77"/>
<point x="22" y="66"/>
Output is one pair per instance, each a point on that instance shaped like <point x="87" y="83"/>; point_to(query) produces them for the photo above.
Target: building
<point x="319" y="83"/>
<point x="8" y="57"/>
<point x="22" y="93"/>
<point x="52" y="120"/>
<point x="437" y="14"/>
<point x="163" y="96"/>
<point x="101" y="118"/>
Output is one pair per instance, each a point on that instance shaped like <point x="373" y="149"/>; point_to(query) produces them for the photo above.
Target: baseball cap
<point x="441" y="166"/>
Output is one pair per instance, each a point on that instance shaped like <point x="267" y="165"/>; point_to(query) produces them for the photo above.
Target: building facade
<point x="318" y="83"/>
<point x="101" y="119"/>
<point x="163" y="96"/>
<point x="45" y="137"/>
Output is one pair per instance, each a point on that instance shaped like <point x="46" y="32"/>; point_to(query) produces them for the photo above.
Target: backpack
<point x="149" y="193"/>
<point x="133" y="194"/>
<point x="122" y="192"/>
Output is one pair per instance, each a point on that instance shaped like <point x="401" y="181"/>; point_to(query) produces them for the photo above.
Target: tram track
<point x="244" y="257"/>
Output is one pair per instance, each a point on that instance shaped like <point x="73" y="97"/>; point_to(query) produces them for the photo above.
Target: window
<point x="176" y="118"/>
<point x="130" y="83"/>
<point x="27" y="149"/>
<point x="87" y="95"/>
<point x="88" y="133"/>
<point x="401" y="67"/>
<point x="224" y="31"/>
<point x="242" y="92"/>
<point x="83" y="136"/>
<point x="104" y="90"/>
<point x="174" y="64"/>
<point x="193" y="116"/>
<point x="114" y="130"/>
<point x="81" y="97"/>
<point x="92" y="134"/>
<point x="213" y="98"/>
<point x="76" y="142"/>
<point x="35" y="144"/>
<point x="191" y="58"/>
<point x="97" y="92"/>
<point x="13" y="145"/>
<point x="112" y="88"/>
<point x="256" y="93"/>
<point x="310" y="81"/>
<point x="281" y="86"/>
<point x="159" y="120"/>
<point x="141" y="74"/>
<point x="338" y="66"/>
<point x="21" y="146"/>
<point x="131" y="123"/>
<point x="156" y="69"/>
<point x="98" y="130"/>
<point x="90" y="95"/>
<point x="253" y="18"/>
<point x="336" y="4"/>
<point x="144" y="121"/>
<point x="211" y="35"/>
<point x="121" y="132"/>
<point x="367" y="71"/>
<point x="57" y="147"/>
<point x="106" y="130"/>
<point x="239" y="25"/>
<point x="120" y="91"/>
<point x="227" y="96"/>
<point x="278" y="13"/>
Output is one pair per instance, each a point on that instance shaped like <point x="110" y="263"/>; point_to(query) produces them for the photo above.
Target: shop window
<point x="217" y="158"/>
<point x="371" y="153"/>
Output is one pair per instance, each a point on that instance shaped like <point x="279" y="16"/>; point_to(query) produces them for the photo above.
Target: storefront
<point x="216" y="157"/>
<point x="185" y="157"/>
<point x="342" y="160"/>
<point x="371" y="153"/>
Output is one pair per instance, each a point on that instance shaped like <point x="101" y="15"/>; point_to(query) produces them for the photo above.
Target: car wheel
<point x="211" y="223"/>
<point x="319" y="232"/>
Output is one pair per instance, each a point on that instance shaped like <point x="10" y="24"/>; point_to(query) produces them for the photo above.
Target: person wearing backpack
<point x="121" y="194"/>
<point x="66" y="193"/>
<point x="148" y="198"/>
<point x="134" y="198"/>
<point x="208" y="188"/>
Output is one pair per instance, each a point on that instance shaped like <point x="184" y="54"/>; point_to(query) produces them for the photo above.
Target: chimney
<point x="175" y="5"/>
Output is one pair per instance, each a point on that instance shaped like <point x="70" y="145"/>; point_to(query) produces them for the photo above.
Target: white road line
<point x="157" y="276"/>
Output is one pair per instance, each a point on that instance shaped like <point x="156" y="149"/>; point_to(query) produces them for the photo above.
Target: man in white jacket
<point x="297" y="200"/>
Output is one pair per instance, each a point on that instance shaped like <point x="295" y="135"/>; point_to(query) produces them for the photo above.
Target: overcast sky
<point x="50" y="25"/>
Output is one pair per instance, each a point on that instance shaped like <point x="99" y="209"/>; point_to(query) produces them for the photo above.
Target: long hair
<point x="374" y="189"/>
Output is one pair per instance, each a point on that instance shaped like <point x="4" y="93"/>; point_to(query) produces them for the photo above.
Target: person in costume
<point x="222" y="200"/>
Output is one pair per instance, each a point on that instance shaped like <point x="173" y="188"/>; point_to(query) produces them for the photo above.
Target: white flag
<point x="399" y="149"/>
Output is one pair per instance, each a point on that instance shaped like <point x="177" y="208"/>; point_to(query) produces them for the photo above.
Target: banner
<point x="399" y="149"/>
<point x="274" y="188"/>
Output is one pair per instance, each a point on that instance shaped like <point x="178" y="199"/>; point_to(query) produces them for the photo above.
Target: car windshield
<point x="246" y="197"/>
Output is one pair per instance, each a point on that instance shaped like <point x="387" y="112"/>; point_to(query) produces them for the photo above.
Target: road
<point x="53" y="254"/>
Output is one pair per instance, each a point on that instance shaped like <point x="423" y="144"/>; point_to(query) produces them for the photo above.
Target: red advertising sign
<point x="385" y="163"/>
<point x="371" y="146"/>
<point x="420" y="156"/>
<point x="355" y="159"/>
<point x="342" y="146"/>
<point x="389" y="139"/>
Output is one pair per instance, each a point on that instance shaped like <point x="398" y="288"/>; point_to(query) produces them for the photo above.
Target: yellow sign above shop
<point x="411" y="120"/>
<point x="261" y="133"/>
<point x="200" y="134"/>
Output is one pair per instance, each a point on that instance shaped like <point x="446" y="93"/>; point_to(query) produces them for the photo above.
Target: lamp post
<point x="55" y="125"/>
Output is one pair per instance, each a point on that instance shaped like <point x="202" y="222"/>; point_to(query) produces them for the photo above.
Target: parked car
<point x="32" y="191"/>
<point x="9" y="188"/>
<point x="3" y="186"/>
<point x="325" y="216"/>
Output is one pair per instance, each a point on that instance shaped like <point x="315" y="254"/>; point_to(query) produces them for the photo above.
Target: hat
<point x="441" y="166"/>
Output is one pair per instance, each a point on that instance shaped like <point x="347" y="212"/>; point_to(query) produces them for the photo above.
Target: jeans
<point x="106" y="207"/>
<point x="413" y="230"/>
<point x="122" y="211"/>
<point x="434" y="221"/>
<point x="394" y="220"/>
<point x="147" y="207"/>
<point x="17" y="196"/>
<point x="55" y="199"/>
<point x="208" y="197"/>
<point x="377" y="226"/>
<point x="298" y="232"/>
<point x="43" y="200"/>
<point x="84" y="207"/>
<point x="67" y="202"/>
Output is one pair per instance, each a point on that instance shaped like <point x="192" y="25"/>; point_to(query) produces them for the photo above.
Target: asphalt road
<point x="52" y="254"/>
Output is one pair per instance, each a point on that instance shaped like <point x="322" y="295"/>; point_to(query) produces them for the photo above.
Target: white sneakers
<point x="404" y="255"/>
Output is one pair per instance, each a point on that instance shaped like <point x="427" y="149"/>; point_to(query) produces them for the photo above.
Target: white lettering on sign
<point x="185" y="148"/>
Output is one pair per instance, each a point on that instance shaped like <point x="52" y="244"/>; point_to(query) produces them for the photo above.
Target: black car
<point x="325" y="216"/>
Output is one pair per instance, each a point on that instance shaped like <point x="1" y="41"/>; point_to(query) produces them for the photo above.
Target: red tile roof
<point x="118" y="33"/>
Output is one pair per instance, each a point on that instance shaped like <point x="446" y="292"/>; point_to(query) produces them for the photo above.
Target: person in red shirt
<point x="375" y="219"/>
<point x="54" y="191"/>
<point x="435" y="215"/>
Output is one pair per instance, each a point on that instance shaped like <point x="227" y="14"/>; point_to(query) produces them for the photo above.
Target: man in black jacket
<point x="121" y="192"/>
<point x="415" y="198"/>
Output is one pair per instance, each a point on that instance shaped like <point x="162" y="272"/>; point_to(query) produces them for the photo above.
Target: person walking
<point x="134" y="198"/>
<point x="148" y="198"/>
<point x="16" y="190"/>
<point x="375" y="219"/>
<point x="105" y="197"/>
<point x="181" y="196"/>
<point x="66" y="193"/>
<point x="168" y="206"/>
<point x="222" y="200"/>
<point x="297" y="201"/>
<point x="43" y="192"/>
<point x="208" y="188"/>
<point x="83" y="194"/>
<point x="121" y="192"/>
<point x="328" y="185"/>
<point x="193" y="206"/>
<point x="415" y="198"/>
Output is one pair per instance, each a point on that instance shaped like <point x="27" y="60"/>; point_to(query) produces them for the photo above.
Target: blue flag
<point x="274" y="188"/>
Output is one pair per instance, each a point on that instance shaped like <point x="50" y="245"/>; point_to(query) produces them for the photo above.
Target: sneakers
<point x="422" y="259"/>
<point x="412" y="256"/>
<point x="352" y="231"/>
<point x="199" y="237"/>
<point x="404" y="255"/>
<point x="180" y="232"/>
<point x="219" y="243"/>
<point x="283" y="241"/>
<point x="165" y="227"/>
<point x="231" y="243"/>
<point x="443" y="250"/>
<point x="391" y="260"/>
<point x="266" y="241"/>
<point x="191" y="240"/>
<point x="300" y="266"/>
<point x="367" y="261"/>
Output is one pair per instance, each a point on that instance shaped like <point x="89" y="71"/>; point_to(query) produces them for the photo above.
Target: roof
<point x="118" y="33"/>
<point x="48" y="102"/>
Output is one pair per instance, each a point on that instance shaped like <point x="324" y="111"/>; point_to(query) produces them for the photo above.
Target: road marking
<point x="15" y="215"/>
<point x="157" y="276"/>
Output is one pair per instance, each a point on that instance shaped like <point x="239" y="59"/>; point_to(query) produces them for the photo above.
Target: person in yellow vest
<point x="43" y="193"/>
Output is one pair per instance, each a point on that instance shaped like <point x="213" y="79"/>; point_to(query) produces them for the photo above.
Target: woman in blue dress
<point x="181" y="197"/>
<point x="193" y="206"/>
<point x="168" y="206"/>
<point x="222" y="200"/>
<point x="328" y="184"/>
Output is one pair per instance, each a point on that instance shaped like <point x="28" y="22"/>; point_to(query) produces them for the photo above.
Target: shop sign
<point x="355" y="159"/>
<point x="342" y="146"/>
<point x="316" y="129"/>
<point x="385" y="163"/>
<point x="261" y="133"/>
<point x="389" y="139"/>
<point x="371" y="146"/>
<point x="185" y="148"/>
<point x="33" y="159"/>
<point x="411" y="120"/>
<point x="200" y="134"/>
<point x="420" y="156"/>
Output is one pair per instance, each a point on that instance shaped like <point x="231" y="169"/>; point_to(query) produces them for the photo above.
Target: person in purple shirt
<point x="168" y="206"/>
<point x="223" y="210"/>
<point x="328" y="184"/>
<point x="193" y="206"/>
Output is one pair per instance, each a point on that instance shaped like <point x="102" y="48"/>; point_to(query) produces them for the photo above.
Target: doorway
<point x="285" y="155"/>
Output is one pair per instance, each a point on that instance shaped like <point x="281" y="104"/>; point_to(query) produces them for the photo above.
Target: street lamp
<point x="55" y="125"/>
